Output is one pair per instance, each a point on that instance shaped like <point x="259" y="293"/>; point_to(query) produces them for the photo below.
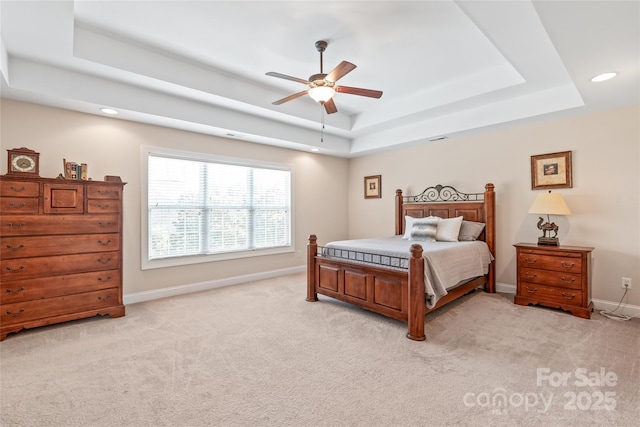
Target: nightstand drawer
<point x="551" y="278"/>
<point x="568" y="262"/>
<point x="551" y="294"/>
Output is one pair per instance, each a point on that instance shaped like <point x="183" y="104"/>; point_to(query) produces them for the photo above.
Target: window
<point x="201" y="208"/>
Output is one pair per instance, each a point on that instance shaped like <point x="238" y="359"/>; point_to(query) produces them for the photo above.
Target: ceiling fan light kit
<point x="322" y="86"/>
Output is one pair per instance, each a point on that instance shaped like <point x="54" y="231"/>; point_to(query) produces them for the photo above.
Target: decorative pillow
<point x="448" y="229"/>
<point x="408" y="224"/>
<point x="470" y="231"/>
<point x="424" y="229"/>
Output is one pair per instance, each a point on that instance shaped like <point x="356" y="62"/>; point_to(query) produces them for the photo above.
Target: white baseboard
<point x="203" y="286"/>
<point x="598" y="304"/>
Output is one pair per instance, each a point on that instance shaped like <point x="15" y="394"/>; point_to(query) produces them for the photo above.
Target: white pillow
<point x="408" y="223"/>
<point x="448" y="229"/>
<point x="424" y="229"/>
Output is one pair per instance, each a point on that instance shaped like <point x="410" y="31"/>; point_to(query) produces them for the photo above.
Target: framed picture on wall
<point x="372" y="186"/>
<point x="551" y="170"/>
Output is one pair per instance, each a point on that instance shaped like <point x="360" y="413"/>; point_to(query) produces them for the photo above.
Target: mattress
<point x="447" y="264"/>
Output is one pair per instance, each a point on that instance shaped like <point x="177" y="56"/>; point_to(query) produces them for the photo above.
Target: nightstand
<point x="555" y="276"/>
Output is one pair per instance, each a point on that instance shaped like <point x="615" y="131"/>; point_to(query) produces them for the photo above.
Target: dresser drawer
<point x="104" y="192"/>
<point x="570" y="263"/>
<point x="28" y="246"/>
<point x="19" y="189"/>
<point x="103" y="206"/>
<point x="18" y="205"/>
<point x="30" y="268"/>
<point x="49" y="287"/>
<point x="554" y="278"/>
<point x="33" y="225"/>
<point x="39" y="309"/>
<point x="551" y="294"/>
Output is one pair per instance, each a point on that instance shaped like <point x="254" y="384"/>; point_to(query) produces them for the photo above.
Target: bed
<point x="394" y="285"/>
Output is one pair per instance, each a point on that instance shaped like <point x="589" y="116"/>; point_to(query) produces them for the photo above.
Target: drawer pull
<point x="104" y="206"/>
<point x="568" y="264"/>
<point x="531" y="290"/>
<point x="105" y="224"/>
<point x="100" y="242"/>
<point x="104" y="192"/>
<point x="531" y="261"/>
<point x="18" y="190"/>
<point x="16" y="227"/>
<point x="565" y="280"/>
<point x="11" y="248"/>
<point x="104" y="261"/>
<point x="15" y="314"/>
<point x="567" y="296"/>
<point x="530" y="276"/>
<point x="104" y="299"/>
<point x="15" y="270"/>
<point x="12" y="292"/>
<point x="100" y="279"/>
<point x="20" y="206"/>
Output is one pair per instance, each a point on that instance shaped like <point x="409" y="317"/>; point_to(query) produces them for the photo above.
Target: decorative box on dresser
<point x="61" y="247"/>
<point x="555" y="276"/>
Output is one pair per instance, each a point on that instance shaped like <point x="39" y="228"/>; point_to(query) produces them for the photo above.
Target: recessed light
<point x="604" y="76"/>
<point x="109" y="111"/>
<point x="315" y="150"/>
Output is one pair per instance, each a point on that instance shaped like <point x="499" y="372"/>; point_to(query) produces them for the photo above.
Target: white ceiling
<point x="446" y="67"/>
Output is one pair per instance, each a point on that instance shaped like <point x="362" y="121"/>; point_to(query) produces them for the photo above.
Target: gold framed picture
<point x="372" y="187"/>
<point x="551" y="170"/>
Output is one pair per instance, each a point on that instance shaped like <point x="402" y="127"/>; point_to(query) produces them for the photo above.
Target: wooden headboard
<point x="446" y="202"/>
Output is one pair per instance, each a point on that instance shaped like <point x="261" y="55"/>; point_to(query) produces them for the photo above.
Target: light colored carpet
<point x="258" y="354"/>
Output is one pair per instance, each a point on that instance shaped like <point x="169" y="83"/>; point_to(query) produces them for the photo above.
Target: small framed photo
<point x="372" y="187"/>
<point x="551" y="170"/>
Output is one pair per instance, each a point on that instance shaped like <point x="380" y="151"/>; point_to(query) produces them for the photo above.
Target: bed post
<point x="312" y="250"/>
<point x="416" y="306"/>
<point x="490" y="233"/>
<point x="399" y="217"/>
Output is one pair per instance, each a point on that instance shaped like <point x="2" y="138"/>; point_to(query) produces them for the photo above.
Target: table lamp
<point x="549" y="204"/>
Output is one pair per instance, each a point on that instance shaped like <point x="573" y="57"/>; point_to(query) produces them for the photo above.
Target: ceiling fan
<point x="322" y="86"/>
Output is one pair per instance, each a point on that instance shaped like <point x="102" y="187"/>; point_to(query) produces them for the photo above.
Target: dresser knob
<point x="105" y="224"/>
<point x="11" y="248"/>
<point x="20" y="206"/>
<point x="18" y="190"/>
<point x="15" y="314"/>
<point x="15" y="270"/>
<point x="104" y="299"/>
<point x="104" y="261"/>
<point x="568" y="264"/>
<point x="565" y="280"/>
<point x="104" y="206"/>
<point x="12" y="292"/>
<point x="531" y="261"/>
<point x="100" y="279"/>
<point x="531" y="290"/>
<point x="100" y="242"/>
<point x="530" y="276"/>
<point x="569" y="297"/>
<point x="16" y="227"/>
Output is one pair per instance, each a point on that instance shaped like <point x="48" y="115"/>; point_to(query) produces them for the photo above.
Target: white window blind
<point x="211" y="207"/>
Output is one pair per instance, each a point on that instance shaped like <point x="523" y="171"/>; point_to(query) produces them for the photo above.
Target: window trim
<point x="146" y="264"/>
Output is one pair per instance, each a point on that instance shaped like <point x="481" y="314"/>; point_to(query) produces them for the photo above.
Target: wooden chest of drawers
<point x="555" y="276"/>
<point x="61" y="251"/>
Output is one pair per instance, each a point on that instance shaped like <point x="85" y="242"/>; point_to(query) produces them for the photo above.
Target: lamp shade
<point x="550" y="204"/>
<point x="321" y="93"/>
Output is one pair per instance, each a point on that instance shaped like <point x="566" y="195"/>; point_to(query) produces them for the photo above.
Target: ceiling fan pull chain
<point x="322" y="123"/>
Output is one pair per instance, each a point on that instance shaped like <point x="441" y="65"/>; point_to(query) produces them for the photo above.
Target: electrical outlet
<point x="626" y="283"/>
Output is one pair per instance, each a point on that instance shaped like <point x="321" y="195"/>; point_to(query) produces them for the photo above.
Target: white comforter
<point x="446" y="263"/>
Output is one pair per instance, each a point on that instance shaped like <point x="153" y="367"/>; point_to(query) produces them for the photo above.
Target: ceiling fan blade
<point x="330" y="106"/>
<point x="340" y="71"/>
<point x="284" y="76"/>
<point x="358" y="91"/>
<point x="290" y="97"/>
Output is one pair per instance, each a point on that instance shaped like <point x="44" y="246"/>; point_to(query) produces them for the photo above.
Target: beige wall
<point x="112" y="147"/>
<point x="605" y="198"/>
